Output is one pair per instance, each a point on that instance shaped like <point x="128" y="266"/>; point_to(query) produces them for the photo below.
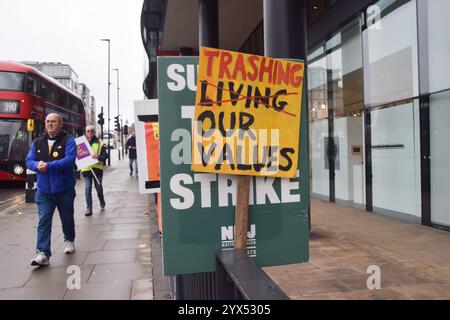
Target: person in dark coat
<point x="132" y="154"/>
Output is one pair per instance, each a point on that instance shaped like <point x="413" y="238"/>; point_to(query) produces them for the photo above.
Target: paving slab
<point x="50" y="275"/>
<point x="114" y="262"/>
<point x="344" y="242"/>
<point x="34" y="293"/>
<point x="122" y="271"/>
<point x="111" y="256"/>
<point x="118" y="244"/>
<point x="108" y="290"/>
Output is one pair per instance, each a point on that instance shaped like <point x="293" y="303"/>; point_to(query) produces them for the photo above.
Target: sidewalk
<point x="113" y="247"/>
<point x="414" y="260"/>
<point x="119" y="252"/>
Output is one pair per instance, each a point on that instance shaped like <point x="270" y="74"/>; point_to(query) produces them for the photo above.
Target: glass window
<point x="317" y="89"/>
<point x="345" y="97"/>
<point x="318" y="108"/>
<point x="13" y="140"/>
<point x="396" y="161"/>
<point x="390" y="54"/>
<point x="440" y="157"/>
<point x="11" y="81"/>
<point x="438" y="44"/>
<point x="80" y="107"/>
<point x="37" y="85"/>
<point x="32" y="84"/>
<point x="334" y="42"/>
<point x="43" y="90"/>
<point x="53" y="93"/>
<point x="316" y="53"/>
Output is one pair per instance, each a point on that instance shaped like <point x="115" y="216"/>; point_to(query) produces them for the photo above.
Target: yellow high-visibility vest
<point x="96" y="148"/>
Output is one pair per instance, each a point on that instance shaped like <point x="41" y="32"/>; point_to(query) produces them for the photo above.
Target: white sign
<point x="142" y="110"/>
<point x="84" y="153"/>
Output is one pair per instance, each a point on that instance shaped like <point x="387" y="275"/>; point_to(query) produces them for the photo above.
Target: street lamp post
<point x="121" y="136"/>
<point x="118" y="112"/>
<point x="126" y="123"/>
<point x="109" y="85"/>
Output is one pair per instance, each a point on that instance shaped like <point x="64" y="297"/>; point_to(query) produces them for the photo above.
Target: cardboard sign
<point x="152" y="148"/>
<point x="84" y="153"/>
<point x="147" y="145"/>
<point x="198" y="209"/>
<point x="247" y="114"/>
<point x="159" y="214"/>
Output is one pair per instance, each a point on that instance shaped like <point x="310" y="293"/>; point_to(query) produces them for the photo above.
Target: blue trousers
<point x="88" y="189"/>
<point x="133" y="162"/>
<point x="46" y="207"/>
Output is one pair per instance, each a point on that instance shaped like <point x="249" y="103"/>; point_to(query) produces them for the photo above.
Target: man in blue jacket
<point x="53" y="158"/>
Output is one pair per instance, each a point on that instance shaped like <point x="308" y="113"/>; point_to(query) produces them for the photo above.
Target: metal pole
<point x="285" y="28"/>
<point x="109" y="85"/>
<point x="121" y="137"/>
<point x="126" y="123"/>
<point x="285" y="36"/>
<point x="208" y="24"/>
<point x="101" y="126"/>
<point x="118" y="112"/>
<point x="109" y="101"/>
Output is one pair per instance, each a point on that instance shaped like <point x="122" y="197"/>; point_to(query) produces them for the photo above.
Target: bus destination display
<point x="9" y="107"/>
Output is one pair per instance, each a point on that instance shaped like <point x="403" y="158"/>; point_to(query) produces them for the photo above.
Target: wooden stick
<point x="241" y="215"/>
<point x="95" y="177"/>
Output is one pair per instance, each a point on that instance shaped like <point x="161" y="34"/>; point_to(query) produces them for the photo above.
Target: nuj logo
<point x="228" y="233"/>
<point x="227" y="236"/>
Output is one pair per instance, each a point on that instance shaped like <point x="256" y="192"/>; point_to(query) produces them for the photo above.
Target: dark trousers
<point x="46" y="207"/>
<point x="88" y="189"/>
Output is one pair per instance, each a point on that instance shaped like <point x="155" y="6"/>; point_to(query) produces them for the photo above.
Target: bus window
<point x="11" y="81"/>
<point x="32" y="84"/>
<point x="43" y="89"/>
<point x="4" y="145"/>
<point x="80" y="107"/>
<point x="60" y="97"/>
<point x="52" y="93"/>
<point x="74" y="105"/>
<point x="13" y="140"/>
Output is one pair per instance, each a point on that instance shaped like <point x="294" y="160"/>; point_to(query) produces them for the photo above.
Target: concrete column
<point x="285" y="28"/>
<point x="208" y="23"/>
<point x="285" y="36"/>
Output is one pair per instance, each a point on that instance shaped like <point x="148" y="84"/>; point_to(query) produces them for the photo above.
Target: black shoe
<point x="102" y="204"/>
<point x="131" y="173"/>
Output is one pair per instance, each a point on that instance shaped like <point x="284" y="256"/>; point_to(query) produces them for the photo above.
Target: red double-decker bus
<point x="26" y="97"/>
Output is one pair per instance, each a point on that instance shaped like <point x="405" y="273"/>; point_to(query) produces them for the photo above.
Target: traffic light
<point x="117" y="123"/>
<point x="125" y="129"/>
<point x="101" y="120"/>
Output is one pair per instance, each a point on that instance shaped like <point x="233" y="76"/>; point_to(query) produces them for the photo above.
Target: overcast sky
<point x="69" y="31"/>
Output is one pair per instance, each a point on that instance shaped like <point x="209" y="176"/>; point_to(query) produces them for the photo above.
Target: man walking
<point x="53" y="158"/>
<point x="101" y="155"/>
<point x="132" y="154"/>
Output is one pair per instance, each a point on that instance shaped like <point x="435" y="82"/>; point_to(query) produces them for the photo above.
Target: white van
<point x="112" y="139"/>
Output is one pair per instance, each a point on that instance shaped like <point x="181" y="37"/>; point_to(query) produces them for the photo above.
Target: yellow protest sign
<point x="247" y="114"/>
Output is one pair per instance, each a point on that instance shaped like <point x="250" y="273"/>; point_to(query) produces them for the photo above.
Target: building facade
<point x="378" y="94"/>
<point x="379" y="99"/>
<point x="89" y="103"/>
